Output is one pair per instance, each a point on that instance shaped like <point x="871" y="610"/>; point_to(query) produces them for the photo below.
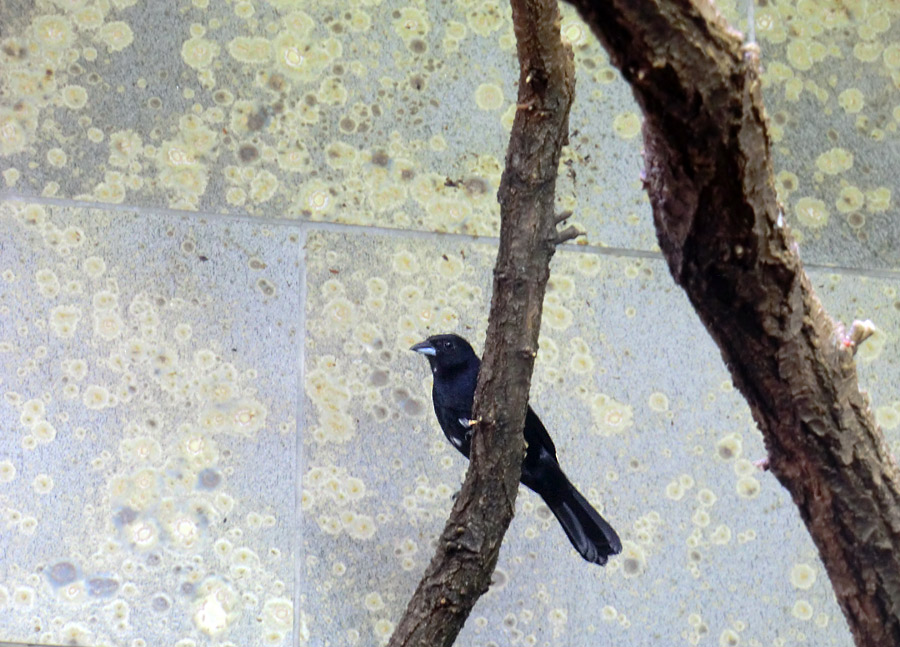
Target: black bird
<point x="455" y="367"/>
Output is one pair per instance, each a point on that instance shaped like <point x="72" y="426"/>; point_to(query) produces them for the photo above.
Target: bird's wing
<point x="535" y="433"/>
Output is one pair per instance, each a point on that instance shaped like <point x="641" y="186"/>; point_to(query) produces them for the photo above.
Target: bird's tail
<point x="589" y="533"/>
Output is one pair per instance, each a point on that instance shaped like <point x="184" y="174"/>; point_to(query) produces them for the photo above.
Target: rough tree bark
<point x="719" y="225"/>
<point x="468" y="548"/>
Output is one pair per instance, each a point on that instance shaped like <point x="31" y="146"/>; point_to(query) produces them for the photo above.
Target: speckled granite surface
<point x="223" y="223"/>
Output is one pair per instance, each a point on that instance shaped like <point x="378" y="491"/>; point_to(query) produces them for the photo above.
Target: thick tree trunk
<point x="467" y="550"/>
<point x="720" y="227"/>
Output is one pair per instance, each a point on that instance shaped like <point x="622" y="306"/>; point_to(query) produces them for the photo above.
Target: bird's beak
<point x="425" y="348"/>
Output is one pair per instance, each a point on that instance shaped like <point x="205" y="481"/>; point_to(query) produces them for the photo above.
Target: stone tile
<point x="398" y="123"/>
<point x="831" y="84"/>
<point x="399" y="117"/>
<point x="148" y="371"/>
<point x="646" y="423"/>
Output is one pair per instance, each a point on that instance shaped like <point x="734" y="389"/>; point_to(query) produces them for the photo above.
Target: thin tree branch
<point x="468" y="548"/>
<point x="709" y="178"/>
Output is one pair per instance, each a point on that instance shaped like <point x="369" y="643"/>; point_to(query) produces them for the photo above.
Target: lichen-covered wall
<point x="223" y="223"/>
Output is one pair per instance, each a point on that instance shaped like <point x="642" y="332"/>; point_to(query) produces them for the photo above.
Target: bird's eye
<point x="448" y="345"/>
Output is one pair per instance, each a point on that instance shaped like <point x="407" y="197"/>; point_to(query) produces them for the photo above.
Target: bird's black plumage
<point x="455" y="367"/>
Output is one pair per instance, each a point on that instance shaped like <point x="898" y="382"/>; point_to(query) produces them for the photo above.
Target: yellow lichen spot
<point x="12" y="135"/>
<point x="236" y="196"/>
<point x="557" y="317"/>
<point x="263" y="186"/>
<point x="834" y="161"/>
<point x="558" y="616"/>
<point x="332" y="92"/>
<point x="634" y="559"/>
<point x="183" y="332"/>
<point x="728" y="638"/>
<point x="244" y="9"/>
<point x="42" y="484"/>
<point x="298" y="23"/>
<point x="184" y="532"/>
<point x="721" y="535"/>
<point x="297" y="159"/>
<point x="278" y="613"/>
<point x="94" y="266"/>
<point x="851" y="100"/>
<point x="799" y="54"/>
<point x="411" y="23"/>
<point x="803" y="576"/>
<point x="446" y="211"/>
<point x="802" y="610"/>
<point x="849" y="199"/>
<point x="44" y="432"/>
<point x="581" y="363"/>
<point x="627" y="125"/>
<point x="404" y="262"/>
<point x="143" y="534"/>
<point x="811" y="212"/>
<point x="887" y="417"/>
<point x="362" y="527"/>
<point x="867" y="51"/>
<point x="360" y="21"/>
<point x="700" y="518"/>
<point x="74" y="96"/>
<point x="88" y="17"/>
<point x="743" y="467"/>
<point x="250" y="50"/>
<point x="316" y="198"/>
<point x="449" y="266"/>
<point x="7" y="471"/>
<point x="383" y="629"/>
<point x="124" y="147"/>
<point x="574" y="31"/>
<point x="770" y="26"/>
<point x="373" y="602"/>
<point x="95" y="397"/>
<point x="658" y="402"/>
<point x="793" y="88"/>
<point x="891" y="56"/>
<point x="610" y="416"/>
<point x="47" y="282"/>
<point x="484" y="18"/>
<point x="340" y="311"/>
<point x="729" y="447"/>
<point x="878" y="200"/>
<point x="117" y="35"/>
<point x="338" y="155"/>
<point x="53" y="32"/>
<point x="748" y="487"/>
<point x="23" y="596"/>
<point x="303" y="59"/>
<point x="108" y="325"/>
<point x="11" y="175"/>
<point x="64" y="320"/>
<point x="489" y="96"/>
<point x="216" y="609"/>
<point x="57" y="157"/>
<point x="199" y="52"/>
<point x="706" y="497"/>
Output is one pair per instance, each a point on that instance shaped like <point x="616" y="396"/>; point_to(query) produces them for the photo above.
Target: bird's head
<point x="446" y="352"/>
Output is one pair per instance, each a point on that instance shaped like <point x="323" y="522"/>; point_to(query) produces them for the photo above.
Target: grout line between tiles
<point x="306" y="226"/>
<point x="299" y="464"/>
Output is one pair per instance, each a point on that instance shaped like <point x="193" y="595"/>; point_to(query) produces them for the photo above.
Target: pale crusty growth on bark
<point x="467" y="550"/>
<point x="709" y="178"/>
